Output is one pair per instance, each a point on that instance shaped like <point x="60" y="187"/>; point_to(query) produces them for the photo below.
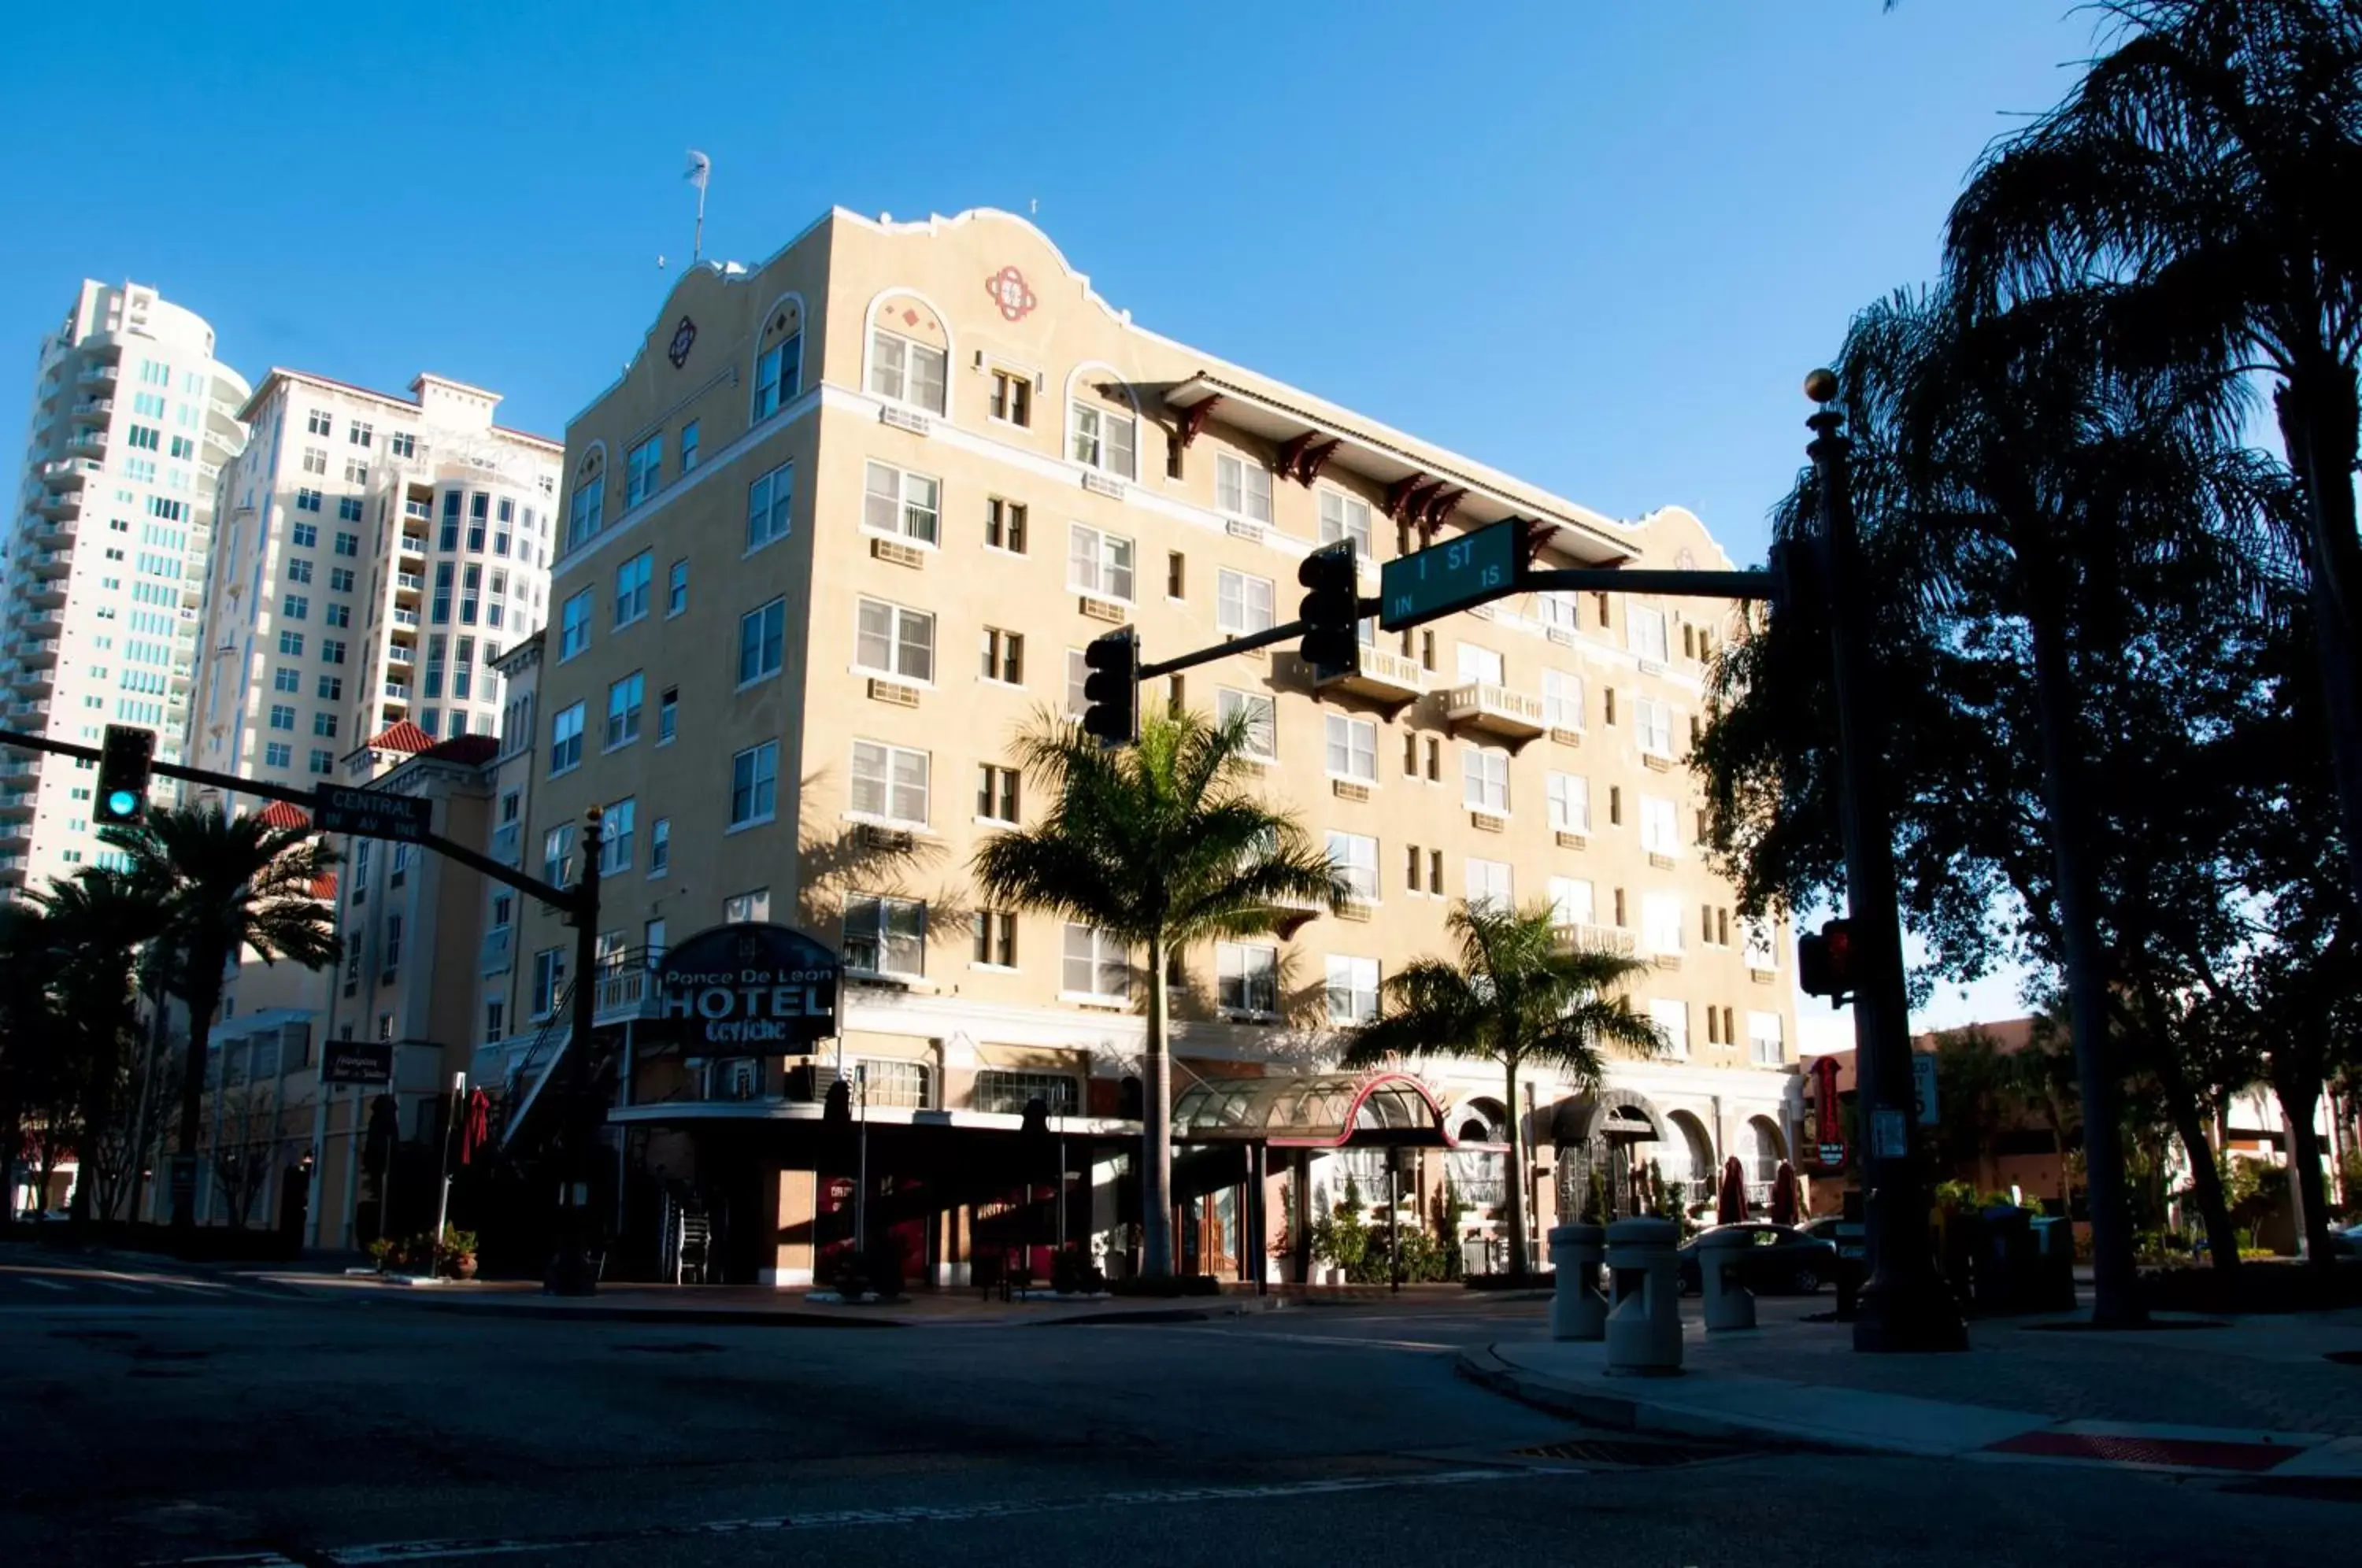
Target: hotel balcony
<point x="46" y="594"/>
<point x="60" y="506"/>
<point x="37" y="653"/>
<point x="396" y="654"/>
<point x="414" y="545"/>
<point x="16" y="804"/>
<point x="33" y="682"/>
<point x="406" y="620"/>
<point x="407" y="586"/>
<point x="623" y="990"/>
<point x="92" y="410"/>
<point x="12" y="870"/>
<point x="1495" y="710"/>
<point x="1387" y="677"/>
<point x="67" y="474"/>
<point x="87" y="443"/>
<point x="1599" y="939"/>
<point x="397" y="693"/>
<point x="50" y="563"/>
<point x="98" y="375"/>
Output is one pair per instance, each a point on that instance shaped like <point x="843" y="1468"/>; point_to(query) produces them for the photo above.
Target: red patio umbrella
<point x="1783" y="1195"/>
<point x="1732" y="1207"/>
<point x="475" y="1129"/>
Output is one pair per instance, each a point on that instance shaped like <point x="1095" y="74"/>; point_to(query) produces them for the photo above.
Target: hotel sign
<point x="749" y="989"/>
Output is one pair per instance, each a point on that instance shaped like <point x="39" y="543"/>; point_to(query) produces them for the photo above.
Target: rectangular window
<point x="889" y="783"/>
<point x="1673" y="1019"/>
<point x="1352" y="989"/>
<point x="1176" y="575"/>
<point x="1246" y="976"/>
<point x="349" y="509"/>
<point x="744" y="909"/>
<point x="348" y="544"/>
<point x="901" y="503"/>
<point x="1644" y="634"/>
<point x="1352" y="748"/>
<point x="1345" y="516"/>
<point x="558" y="854"/>
<point x="1485" y="780"/>
<point x="1657" y="833"/>
<point x="1103" y="439"/>
<point x="306" y="534"/>
<point x="332" y="651"/>
<point x="1488" y="884"/>
<point x="1570" y="902"/>
<point x="885" y="935"/>
<point x="624" y="710"/>
<point x="574" y="626"/>
<point x="677" y="588"/>
<point x="295" y="607"/>
<point x="644" y="470"/>
<point x="668" y="715"/>
<point x="1356" y="857"/>
<point x="1004" y="525"/>
<point x="1004" y="657"/>
<point x="1654" y="721"/>
<point x="337" y="614"/>
<point x="904" y="371"/>
<point x="1242" y="489"/>
<point x="768" y="502"/>
<point x="565" y="739"/>
<point x="1479" y="664"/>
<point x="586" y="513"/>
<point x="1009" y="1093"/>
<point x="322" y="761"/>
<point x="1261" y="713"/>
<point x="633" y="580"/>
<point x="282" y="716"/>
<point x="1098" y="563"/>
<point x="1077" y="673"/>
<point x="1765" y="1046"/>
<point x="996" y="793"/>
<point x="753" y="784"/>
<point x="1241" y="604"/>
<point x="548" y="980"/>
<point x="298" y="570"/>
<point x="778" y="374"/>
<point x="286" y="679"/>
<point x="689" y="446"/>
<point x="325" y="726"/>
<point x="1569" y="802"/>
<point x="318" y="422"/>
<point x="1012" y="398"/>
<point x="1759" y="943"/>
<point x="340" y="579"/>
<point x="279" y="754"/>
<point x="1095" y="965"/>
<point x="1555" y="611"/>
<point x="893" y="641"/>
<point x="359" y="434"/>
<point x="1660" y="923"/>
<point x="356" y="471"/>
<point x="995" y="932"/>
<point x="762" y="636"/>
<point x="617" y="830"/>
<point x="1561" y="700"/>
<point x="659" y="847"/>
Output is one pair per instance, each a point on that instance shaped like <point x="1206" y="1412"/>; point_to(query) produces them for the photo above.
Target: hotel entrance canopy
<point x="1325" y="1111"/>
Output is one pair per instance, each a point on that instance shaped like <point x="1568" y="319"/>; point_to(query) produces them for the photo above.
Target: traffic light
<point x="124" y="759"/>
<point x="1825" y="963"/>
<point x="1111" y="690"/>
<point x="1330" y="609"/>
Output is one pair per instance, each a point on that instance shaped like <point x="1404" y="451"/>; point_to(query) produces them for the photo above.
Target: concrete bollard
<point x="1579" y="1310"/>
<point x="1644" y="1324"/>
<point x="1728" y="1304"/>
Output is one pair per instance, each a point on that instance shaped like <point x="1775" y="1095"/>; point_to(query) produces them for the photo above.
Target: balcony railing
<point x="1384" y="675"/>
<point x="405" y="617"/>
<point x="1481" y="705"/>
<point x="1599" y="938"/>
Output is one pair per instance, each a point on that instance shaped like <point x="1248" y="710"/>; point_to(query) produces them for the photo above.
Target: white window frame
<point x="1485" y="780"/>
<point x="772" y="392"/>
<point x="744" y="680"/>
<point x="1660" y="831"/>
<point x="756" y="814"/>
<point x="879" y="766"/>
<point x="1356" y="979"/>
<point x="1766" y="1029"/>
<point x="1349" y="748"/>
<point x="898" y="495"/>
<point x="1556" y="610"/>
<point x="1356" y="857"/>
<point x="900" y="645"/>
<point x="1759" y="939"/>
<point x="639" y="592"/>
<point x="1646" y="635"/>
<point x="644" y="470"/>
<point x="1652" y="725"/>
<point x="770" y="506"/>
<point x="1262" y="741"/>
<point x="1242" y="487"/>
<point x="1253" y="967"/>
<point x="1661" y="918"/>
<point x="561" y="732"/>
<point x="1672" y="1016"/>
<point x="1091" y="565"/>
<point x="878" y="929"/>
<point x="1561" y="700"/>
<point x="568" y="625"/>
<point x="1090" y="439"/>
<point x="752" y="907"/>
<point x="1477" y="881"/>
<point x="1573" y="901"/>
<point x="1569" y="802"/>
<point x="893" y="375"/>
<point x="1102" y="954"/>
<point x="1493" y="670"/>
<point x="1344" y="516"/>
<point x="1243" y="604"/>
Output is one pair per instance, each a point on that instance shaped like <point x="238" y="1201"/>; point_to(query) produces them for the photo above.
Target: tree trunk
<point x="1156" y="1129"/>
<point x="2115" y="1289"/>
<point x="2318" y="410"/>
<point x="203" y="995"/>
<point x="2300" y="1096"/>
<point x="2205" y="1178"/>
<point x="1513" y="1175"/>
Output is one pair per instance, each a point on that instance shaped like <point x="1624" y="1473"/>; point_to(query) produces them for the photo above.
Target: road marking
<point x="122" y="1285"/>
<point x="380" y="1554"/>
<point x="45" y="1283"/>
<point x="1338" y="1341"/>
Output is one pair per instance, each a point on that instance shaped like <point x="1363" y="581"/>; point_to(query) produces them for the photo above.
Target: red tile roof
<point x="284" y="815"/>
<point x="404" y="736"/>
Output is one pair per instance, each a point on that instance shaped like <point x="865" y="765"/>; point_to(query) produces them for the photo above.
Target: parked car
<point x="1779" y="1258"/>
<point x="2345" y="1243"/>
<point x="1824" y="1229"/>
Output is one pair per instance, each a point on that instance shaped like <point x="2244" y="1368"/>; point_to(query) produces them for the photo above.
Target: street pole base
<point x="1908" y="1316"/>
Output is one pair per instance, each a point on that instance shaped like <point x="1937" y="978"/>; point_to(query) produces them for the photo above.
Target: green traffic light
<point x="122" y="802"/>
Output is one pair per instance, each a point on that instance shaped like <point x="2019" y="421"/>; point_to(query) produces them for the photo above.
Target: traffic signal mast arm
<point x="1282" y="633"/>
<point x="563" y="898"/>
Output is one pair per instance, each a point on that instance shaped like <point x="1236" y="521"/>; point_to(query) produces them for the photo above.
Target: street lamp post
<point x="1904" y="1305"/>
<point x="570" y="1271"/>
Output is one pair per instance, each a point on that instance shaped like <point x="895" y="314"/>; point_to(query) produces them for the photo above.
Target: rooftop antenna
<point x="1033" y="206"/>
<point x="700" y="169"/>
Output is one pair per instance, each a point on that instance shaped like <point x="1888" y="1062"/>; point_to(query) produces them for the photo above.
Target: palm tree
<point x="1518" y="996"/>
<point x="96" y="923"/>
<point x="229" y="886"/>
<point x="1159" y="845"/>
<point x="2205" y="164"/>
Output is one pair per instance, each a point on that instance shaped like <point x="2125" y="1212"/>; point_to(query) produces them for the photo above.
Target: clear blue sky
<point x="1596" y="243"/>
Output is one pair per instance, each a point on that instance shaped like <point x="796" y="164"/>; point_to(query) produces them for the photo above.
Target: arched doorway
<point x="1478" y="1170"/>
<point x="1600" y="1138"/>
<point x="1760" y="1150"/>
<point x="1685" y="1155"/>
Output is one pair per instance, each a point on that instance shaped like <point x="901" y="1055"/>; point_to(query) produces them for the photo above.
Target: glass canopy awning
<point x="1324" y="1110"/>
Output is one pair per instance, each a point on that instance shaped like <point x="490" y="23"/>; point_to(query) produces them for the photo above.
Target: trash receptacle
<point x="1579" y="1308"/>
<point x="2050" y="1274"/>
<point x="2004" y="1257"/>
<point x="1853" y="1266"/>
<point x="1728" y="1304"/>
<point x="1644" y="1320"/>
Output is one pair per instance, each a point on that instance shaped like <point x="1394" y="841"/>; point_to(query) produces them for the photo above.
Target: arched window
<point x="586" y="512"/>
<point x="779" y="357"/>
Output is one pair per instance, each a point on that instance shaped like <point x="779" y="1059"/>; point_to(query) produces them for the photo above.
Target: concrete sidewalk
<point x="2276" y="1396"/>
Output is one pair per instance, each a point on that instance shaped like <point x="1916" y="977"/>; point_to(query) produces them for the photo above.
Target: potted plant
<point x="459" y="1252"/>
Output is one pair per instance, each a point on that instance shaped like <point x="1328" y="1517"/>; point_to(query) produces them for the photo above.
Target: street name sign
<point x="1923" y="1087"/>
<point x="1437" y="581"/>
<point x="749" y="989"/>
<point x="371" y="813"/>
<point x="367" y="1063"/>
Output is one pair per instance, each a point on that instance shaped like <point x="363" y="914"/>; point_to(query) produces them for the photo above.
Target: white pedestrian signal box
<point x="373" y="813"/>
<point x="1443" y="578"/>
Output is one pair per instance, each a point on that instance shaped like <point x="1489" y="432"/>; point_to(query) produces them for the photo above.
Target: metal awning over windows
<point x="1326" y="1110"/>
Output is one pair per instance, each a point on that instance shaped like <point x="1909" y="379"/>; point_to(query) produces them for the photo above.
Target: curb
<point x="758" y="1318"/>
<point x="1617" y="1413"/>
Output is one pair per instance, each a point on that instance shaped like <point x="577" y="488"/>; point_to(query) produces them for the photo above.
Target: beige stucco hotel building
<point x="843" y="526"/>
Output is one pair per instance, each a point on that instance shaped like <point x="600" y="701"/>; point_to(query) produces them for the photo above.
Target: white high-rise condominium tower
<point x="133" y="419"/>
<point x="375" y="554"/>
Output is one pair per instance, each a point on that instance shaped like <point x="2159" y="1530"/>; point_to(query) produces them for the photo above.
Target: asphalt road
<point x="203" y="1418"/>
